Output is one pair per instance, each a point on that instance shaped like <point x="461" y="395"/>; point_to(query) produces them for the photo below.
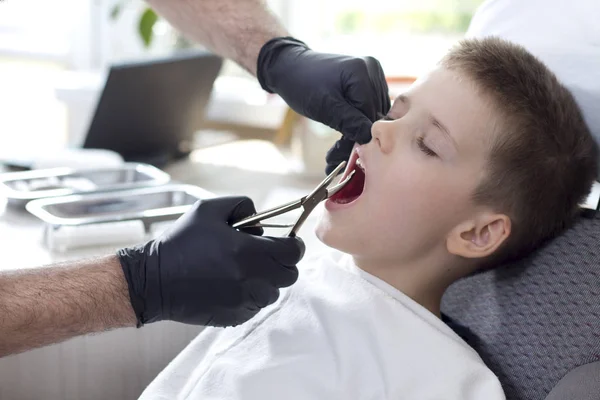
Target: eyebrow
<point x="435" y="122"/>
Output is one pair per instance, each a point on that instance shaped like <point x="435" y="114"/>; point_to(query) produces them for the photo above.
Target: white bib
<point x="338" y="333"/>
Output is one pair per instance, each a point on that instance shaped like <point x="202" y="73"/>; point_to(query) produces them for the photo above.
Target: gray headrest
<point x="535" y="320"/>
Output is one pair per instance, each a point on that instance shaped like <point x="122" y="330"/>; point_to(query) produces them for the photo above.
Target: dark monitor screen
<point x="149" y="111"/>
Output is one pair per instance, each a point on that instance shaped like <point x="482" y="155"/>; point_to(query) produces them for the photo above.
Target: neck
<point x="424" y="280"/>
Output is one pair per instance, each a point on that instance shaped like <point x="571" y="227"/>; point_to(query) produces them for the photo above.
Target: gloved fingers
<point x="255" y="295"/>
<point x="225" y="317"/>
<point x="231" y="209"/>
<point x="226" y="207"/>
<point x="361" y="92"/>
<point x="244" y="209"/>
<point x="260" y="293"/>
<point x="339" y="152"/>
<point x="379" y="84"/>
<point x="276" y="260"/>
<point x="280" y="275"/>
<point x="365" y="89"/>
<point x="252" y="230"/>
<point x="350" y="121"/>
<point x="223" y="207"/>
<point x="236" y="207"/>
<point x="287" y="251"/>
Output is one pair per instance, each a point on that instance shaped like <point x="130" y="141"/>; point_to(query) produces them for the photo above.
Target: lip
<point x="357" y="153"/>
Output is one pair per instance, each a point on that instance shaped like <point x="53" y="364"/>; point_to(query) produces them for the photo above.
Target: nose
<point x="383" y="135"/>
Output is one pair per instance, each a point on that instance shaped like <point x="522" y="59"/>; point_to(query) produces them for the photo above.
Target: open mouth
<point x="355" y="187"/>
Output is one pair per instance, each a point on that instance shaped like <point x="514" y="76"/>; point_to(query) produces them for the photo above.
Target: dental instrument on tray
<point x="308" y="203"/>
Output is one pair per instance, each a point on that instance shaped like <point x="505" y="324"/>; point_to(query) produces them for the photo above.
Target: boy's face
<point x="420" y="170"/>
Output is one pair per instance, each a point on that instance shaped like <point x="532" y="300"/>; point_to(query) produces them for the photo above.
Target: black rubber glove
<point x="203" y="272"/>
<point x="345" y="93"/>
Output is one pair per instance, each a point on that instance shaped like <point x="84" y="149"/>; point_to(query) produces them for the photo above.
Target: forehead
<point x="454" y="100"/>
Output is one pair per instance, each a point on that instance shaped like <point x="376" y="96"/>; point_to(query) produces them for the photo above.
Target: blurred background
<point x="52" y="55"/>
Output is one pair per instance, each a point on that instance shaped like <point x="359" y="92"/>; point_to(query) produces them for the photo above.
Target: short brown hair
<point x="542" y="159"/>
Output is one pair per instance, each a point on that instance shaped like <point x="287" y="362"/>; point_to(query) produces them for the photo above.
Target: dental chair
<point x="536" y="322"/>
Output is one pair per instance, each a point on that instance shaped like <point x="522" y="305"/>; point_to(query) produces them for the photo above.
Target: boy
<point x="480" y="161"/>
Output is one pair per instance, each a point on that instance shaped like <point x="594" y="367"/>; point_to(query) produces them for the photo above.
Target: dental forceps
<point x="308" y="203"/>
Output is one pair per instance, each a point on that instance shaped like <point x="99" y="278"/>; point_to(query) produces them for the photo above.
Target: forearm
<point x="48" y="305"/>
<point x="234" y="29"/>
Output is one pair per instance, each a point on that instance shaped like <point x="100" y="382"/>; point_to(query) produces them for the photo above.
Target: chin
<point x="324" y="230"/>
<point x="333" y="235"/>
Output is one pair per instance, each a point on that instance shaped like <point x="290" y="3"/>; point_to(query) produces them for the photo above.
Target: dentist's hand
<point x="346" y="93"/>
<point x="204" y="272"/>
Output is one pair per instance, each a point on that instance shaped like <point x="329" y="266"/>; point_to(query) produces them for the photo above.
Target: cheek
<point x="417" y="206"/>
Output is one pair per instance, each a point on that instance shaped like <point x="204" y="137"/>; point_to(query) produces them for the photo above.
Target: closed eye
<point x="420" y="140"/>
<point x="423" y="147"/>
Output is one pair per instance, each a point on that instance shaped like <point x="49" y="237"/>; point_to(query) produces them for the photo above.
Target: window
<point x="407" y="36"/>
<point x="43" y="29"/>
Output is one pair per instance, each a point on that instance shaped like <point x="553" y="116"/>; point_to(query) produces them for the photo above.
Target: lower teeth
<point x="346" y="200"/>
<point x="353" y="189"/>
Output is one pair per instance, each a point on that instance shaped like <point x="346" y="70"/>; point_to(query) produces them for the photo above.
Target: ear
<point x="480" y="237"/>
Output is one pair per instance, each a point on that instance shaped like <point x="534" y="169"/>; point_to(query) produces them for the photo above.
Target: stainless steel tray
<point x="21" y="187"/>
<point x="123" y="217"/>
<point x="152" y="204"/>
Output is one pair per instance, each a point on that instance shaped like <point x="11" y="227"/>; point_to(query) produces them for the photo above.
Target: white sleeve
<point x="562" y="34"/>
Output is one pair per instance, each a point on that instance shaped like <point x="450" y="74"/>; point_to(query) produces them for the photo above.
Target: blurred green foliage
<point x="442" y="16"/>
<point x="146" y="25"/>
<point x="146" y="22"/>
<point x="439" y="16"/>
<point x="415" y="21"/>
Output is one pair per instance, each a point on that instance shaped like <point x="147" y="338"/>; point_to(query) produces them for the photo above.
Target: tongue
<point x="352" y="190"/>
